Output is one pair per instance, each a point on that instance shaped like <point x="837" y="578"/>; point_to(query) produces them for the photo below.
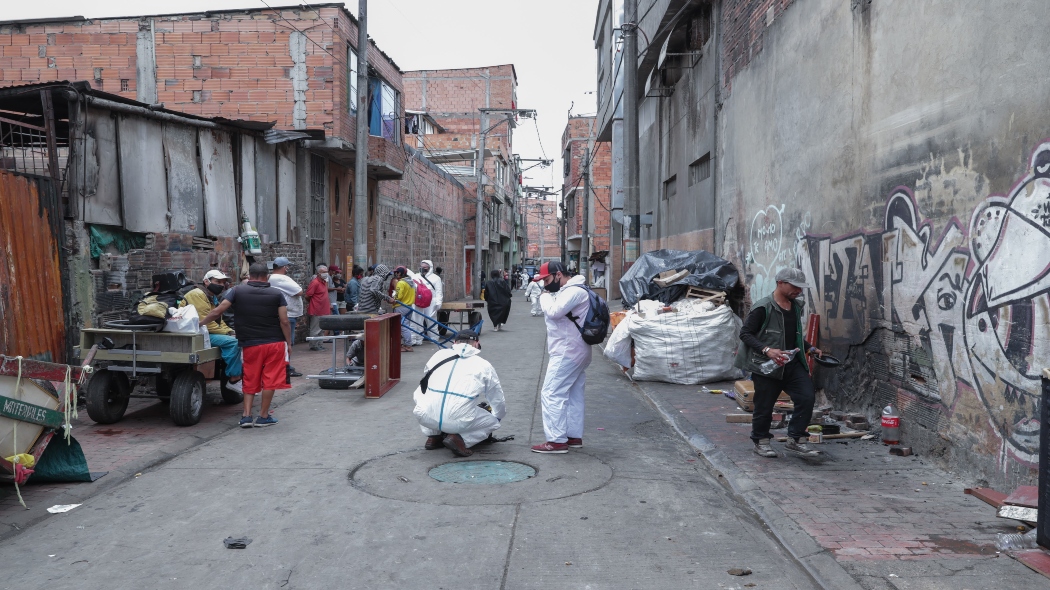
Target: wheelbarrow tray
<point x="149" y="347"/>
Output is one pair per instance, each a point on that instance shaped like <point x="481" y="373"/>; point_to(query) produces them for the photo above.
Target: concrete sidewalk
<point x="889" y="522"/>
<point x="145" y="437"/>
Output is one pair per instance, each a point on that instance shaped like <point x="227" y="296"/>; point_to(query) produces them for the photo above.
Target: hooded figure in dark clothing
<point x="497" y="298"/>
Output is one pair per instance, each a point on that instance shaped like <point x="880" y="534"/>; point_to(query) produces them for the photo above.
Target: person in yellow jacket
<point x="404" y="299"/>
<point x="204" y="299"/>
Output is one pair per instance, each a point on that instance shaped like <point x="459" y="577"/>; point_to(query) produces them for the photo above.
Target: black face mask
<point x="554" y="286"/>
<point x="215" y="289"/>
<point x="423" y="270"/>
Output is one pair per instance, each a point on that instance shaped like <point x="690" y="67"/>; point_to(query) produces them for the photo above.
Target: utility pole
<point x="361" y="148"/>
<point x="561" y="231"/>
<point x="543" y="229"/>
<point x="631" y="205"/>
<point x="479" y="216"/>
<point x="585" y="235"/>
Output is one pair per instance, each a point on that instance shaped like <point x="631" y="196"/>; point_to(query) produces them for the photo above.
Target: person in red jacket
<point x="319" y="305"/>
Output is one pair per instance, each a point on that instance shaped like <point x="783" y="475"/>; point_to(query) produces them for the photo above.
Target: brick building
<point x="445" y="120"/>
<point x="581" y="152"/>
<point x="294" y="68"/>
<point x="542" y="235"/>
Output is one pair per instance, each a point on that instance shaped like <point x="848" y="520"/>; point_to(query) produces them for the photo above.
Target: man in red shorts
<point x="265" y="337"/>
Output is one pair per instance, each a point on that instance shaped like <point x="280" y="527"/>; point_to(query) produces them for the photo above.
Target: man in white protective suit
<point x="456" y="381"/>
<point x="431" y="278"/>
<point x="533" y="292"/>
<point x="562" y="395"/>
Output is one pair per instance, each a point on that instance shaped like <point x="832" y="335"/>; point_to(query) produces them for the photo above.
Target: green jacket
<point x="772" y="335"/>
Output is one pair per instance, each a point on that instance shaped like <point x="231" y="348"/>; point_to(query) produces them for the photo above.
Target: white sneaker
<point x="238" y="386"/>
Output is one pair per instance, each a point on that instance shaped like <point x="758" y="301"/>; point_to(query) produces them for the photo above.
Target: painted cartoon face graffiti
<point x="966" y="314"/>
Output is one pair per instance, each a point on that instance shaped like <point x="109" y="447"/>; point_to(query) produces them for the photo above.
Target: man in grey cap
<point x="773" y="332"/>
<point x="293" y="293"/>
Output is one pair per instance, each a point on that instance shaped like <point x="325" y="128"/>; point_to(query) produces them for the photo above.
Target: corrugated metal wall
<point x="32" y="310"/>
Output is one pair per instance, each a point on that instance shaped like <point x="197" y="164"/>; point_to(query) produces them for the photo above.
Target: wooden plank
<point x="1036" y="559"/>
<point x="462" y="305"/>
<point x="832" y="436"/>
<point x="1027" y="496"/>
<point x="987" y="495"/>
<point x="738" y="418"/>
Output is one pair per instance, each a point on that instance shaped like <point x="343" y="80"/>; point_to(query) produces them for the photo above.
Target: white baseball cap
<point x="216" y="274"/>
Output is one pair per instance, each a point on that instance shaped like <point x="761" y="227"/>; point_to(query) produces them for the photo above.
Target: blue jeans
<point x="231" y="353"/>
<point x="406" y="334"/>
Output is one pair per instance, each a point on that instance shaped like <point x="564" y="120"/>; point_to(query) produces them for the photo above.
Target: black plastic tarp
<point x="705" y="270"/>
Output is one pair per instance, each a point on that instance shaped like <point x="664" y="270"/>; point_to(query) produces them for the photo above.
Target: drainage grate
<point x="482" y="472"/>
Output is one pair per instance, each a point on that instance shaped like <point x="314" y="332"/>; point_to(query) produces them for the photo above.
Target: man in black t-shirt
<point x="265" y="337"/>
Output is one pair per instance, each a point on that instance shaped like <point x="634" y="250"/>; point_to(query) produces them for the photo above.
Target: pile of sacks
<point x="688" y="342"/>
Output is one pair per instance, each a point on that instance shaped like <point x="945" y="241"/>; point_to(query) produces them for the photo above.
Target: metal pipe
<point x="150" y="113"/>
<point x="479" y="215"/>
<point x="631" y="204"/>
<point x="361" y="208"/>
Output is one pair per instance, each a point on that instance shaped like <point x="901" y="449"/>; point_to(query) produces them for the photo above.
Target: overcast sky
<point x="548" y="41"/>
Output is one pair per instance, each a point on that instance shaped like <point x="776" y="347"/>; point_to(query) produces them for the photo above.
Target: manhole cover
<point x="483" y="472"/>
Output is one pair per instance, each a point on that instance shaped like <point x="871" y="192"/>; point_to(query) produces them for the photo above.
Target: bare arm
<point x="286" y="326"/>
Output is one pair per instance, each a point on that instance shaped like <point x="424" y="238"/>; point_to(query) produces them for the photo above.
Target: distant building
<point x="443" y="118"/>
<point x="582" y="152"/>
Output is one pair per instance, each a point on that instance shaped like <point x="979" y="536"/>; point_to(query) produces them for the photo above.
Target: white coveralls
<point x="533" y="292"/>
<point x="562" y="395"/>
<point x="450" y="403"/>
<point x="438" y="289"/>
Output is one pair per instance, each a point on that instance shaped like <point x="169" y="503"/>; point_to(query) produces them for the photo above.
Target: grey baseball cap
<point x="794" y="276"/>
<point x="281" y="261"/>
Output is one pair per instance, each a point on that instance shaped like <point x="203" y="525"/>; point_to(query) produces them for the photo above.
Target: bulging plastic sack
<point x="688" y="347"/>
<point x="618" y="347"/>
<point x="184" y="320"/>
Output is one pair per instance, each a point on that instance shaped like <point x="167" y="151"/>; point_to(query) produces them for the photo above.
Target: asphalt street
<point x="338" y="496"/>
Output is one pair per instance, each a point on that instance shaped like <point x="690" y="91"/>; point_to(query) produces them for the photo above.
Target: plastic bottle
<point x="891" y="425"/>
<point x="1015" y="541"/>
<point x="772" y="364"/>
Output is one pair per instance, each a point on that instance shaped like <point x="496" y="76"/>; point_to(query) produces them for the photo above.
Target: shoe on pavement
<point x="294" y="373"/>
<point x="434" y="442"/>
<point x="267" y="421"/>
<point x="247" y="421"/>
<point x="238" y="386"/>
<point x="764" y="449"/>
<point x="801" y="448"/>
<point x="406" y="348"/>
<point x="551" y="447"/>
<point x="454" y="443"/>
<point x="575" y="443"/>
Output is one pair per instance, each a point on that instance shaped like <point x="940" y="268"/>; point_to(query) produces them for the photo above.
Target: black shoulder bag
<point x="424" y="383"/>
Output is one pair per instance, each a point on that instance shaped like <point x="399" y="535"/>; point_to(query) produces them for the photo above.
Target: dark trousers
<point x="798" y="385"/>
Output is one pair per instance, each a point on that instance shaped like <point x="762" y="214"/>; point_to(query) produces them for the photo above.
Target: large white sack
<point x="618" y="348"/>
<point x="687" y="347"/>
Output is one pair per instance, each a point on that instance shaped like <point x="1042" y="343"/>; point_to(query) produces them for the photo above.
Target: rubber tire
<point x="108" y="393"/>
<point x="229" y="396"/>
<point x="187" y="398"/>
<point x="353" y="322"/>
<point x="334" y="384"/>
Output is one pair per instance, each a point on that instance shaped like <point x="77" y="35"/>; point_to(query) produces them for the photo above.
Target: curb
<point x="817" y="561"/>
<point x="23" y="519"/>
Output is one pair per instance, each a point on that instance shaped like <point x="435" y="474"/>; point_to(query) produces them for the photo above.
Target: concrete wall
<point x="895" y="152"/>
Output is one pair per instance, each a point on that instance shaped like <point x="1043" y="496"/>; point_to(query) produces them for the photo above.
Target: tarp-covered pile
<point x="681" y="326"/>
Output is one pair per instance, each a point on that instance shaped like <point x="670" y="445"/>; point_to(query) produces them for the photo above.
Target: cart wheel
<point x="108" y="393"/>
<point x="229" y="396"/>
<point x="334" y="383"/>
<point x="187" y="398"/>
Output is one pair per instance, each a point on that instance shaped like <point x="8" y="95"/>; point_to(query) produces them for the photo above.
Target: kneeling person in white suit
<point x="457" y="380"/>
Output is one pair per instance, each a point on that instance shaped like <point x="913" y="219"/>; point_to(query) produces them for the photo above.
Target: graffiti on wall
<point x="965" y="308"/>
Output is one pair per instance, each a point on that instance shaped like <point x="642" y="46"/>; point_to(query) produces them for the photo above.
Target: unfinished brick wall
<point x="233" y="64"/>
<point x="743" y="24"/>
<point x="417" y="221"/>
<point x="545" y="223"/>
<point x="601" y="183"/>
<point x="579" y="134"/>
<point x="453" y="98"/>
